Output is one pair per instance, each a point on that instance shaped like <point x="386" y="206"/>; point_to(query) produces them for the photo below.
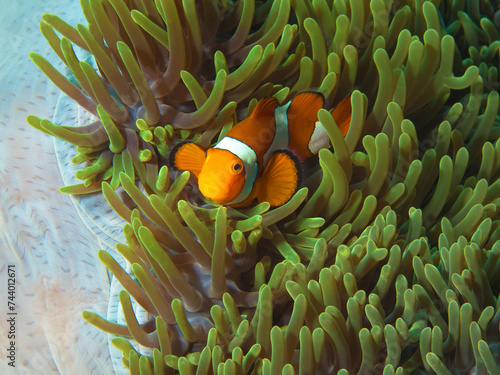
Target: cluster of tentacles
<point x="386" y="261"/>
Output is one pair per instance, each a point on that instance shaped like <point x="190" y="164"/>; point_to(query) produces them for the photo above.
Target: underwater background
<point x="386" y="261"/>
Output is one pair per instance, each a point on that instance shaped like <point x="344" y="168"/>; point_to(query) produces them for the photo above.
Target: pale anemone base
<point x="41" y="234"/>
<point x="99" y="218"/>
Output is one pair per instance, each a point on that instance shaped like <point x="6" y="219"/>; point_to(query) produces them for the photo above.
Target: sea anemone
<point x="385" y="261"/>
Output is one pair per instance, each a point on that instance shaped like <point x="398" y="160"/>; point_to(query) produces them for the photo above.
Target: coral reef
<point x="386" y="261"/>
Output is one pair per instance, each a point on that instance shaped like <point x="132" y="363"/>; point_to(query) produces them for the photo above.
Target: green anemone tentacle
<point x="387" y="258"/>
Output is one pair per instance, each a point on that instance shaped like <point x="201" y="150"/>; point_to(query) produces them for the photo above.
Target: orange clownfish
<point x="259" y="158"/>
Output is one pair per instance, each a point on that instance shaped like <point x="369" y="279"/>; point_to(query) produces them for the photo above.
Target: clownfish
<point x="259" y="158"/>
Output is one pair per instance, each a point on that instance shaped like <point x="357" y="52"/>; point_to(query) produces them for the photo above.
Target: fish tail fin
<point x="342" y="115"/>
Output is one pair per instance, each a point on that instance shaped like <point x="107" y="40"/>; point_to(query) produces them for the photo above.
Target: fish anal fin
<point x="265" y="107"/>
<point x="342" y="115"/>
<point x="305" y="106"/>
<point x="280" y="179"/>
<point x="188" y="157"/>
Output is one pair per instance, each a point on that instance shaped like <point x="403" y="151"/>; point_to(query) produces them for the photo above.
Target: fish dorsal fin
<point x="280" y="179"/>
<point x="188" y="157"/>
<point x="265" y="107"/>
<point x="342" y="115"/>
<point x="306" y="106"/>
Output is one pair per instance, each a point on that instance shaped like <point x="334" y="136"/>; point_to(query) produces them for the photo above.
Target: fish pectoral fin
<point x="188" y="156"/>
<point x="280" y="179"/>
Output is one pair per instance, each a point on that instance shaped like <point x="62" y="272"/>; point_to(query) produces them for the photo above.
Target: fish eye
<point x="236" y="168"/>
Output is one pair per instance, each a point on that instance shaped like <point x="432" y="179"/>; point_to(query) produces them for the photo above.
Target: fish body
<point x="259" y="158"/>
